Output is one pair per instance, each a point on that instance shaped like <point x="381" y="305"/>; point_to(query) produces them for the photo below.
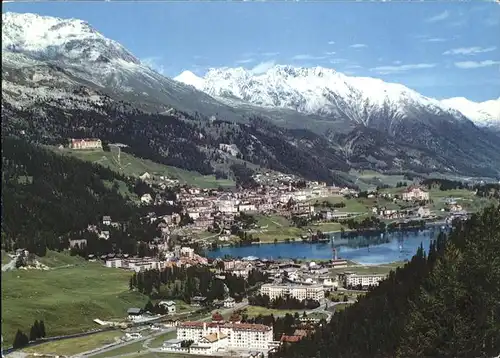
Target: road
<point x="147" y="340"/>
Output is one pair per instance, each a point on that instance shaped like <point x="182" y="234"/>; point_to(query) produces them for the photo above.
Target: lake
<point x="367" y="250"/>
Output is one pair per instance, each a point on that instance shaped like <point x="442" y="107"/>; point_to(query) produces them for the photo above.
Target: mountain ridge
<point x="69" y="75"/>
<point x="308" y="90"/>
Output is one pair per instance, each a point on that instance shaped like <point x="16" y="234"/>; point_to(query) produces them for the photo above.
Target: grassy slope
<point x="157" y="342"/>
<point x="254" y="311"/>
<point x="67" y="299"/>
<point x="138" y="166"/>
<point x="368" y="179"/>
<point x="277" y="228"/>
<point x="75" y="345"/>
<point x="56" y="259"/>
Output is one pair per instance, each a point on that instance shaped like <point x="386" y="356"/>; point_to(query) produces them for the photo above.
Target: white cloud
<point x="331" y="42"/>
<point x="153" y="63"/>
<point x="354" y="66"/>
<point x="358" y="46"/>
<point x="246" y="60"/>
<point x="476" y="64"/>
<point x="330" y="53"/>
<point x="270" y="54"/>
<point x="339" y="60"/>
<point x="263" y="67"/>
<point x="435" y="39"/>
<point x="439" y="17"/>
<point x="307" y="57"/>
<point x="385" y="70"/>
<point x="469" y="50"/>
<point x="396" y="62"/>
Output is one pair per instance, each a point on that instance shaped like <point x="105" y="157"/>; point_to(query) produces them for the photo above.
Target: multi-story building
<point x="415" y="193"/>
<point x="236" y="335"/>
<point x="86" y="143"/>
<point x="300" y="292"/>
<point x="363" y="280"/>
<point x="187" y="252"/>
<point x="239" y="268"/>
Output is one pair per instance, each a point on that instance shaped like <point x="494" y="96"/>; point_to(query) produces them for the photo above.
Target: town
<point x="200" y="304"/>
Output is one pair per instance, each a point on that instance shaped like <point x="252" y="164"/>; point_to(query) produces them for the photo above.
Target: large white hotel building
<point x="219" y="336"/>
<point x="300" y="292"/>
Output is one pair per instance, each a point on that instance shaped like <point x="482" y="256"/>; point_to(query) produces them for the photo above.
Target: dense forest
<point x="442" y="304"/>
<point x="50" y="199"/>
<point x="47" y="195"/>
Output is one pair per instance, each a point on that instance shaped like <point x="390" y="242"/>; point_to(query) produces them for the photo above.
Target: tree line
<point x="445" y="303"/>
<point x="37" y="331"/>
<point x="185" y="283"/>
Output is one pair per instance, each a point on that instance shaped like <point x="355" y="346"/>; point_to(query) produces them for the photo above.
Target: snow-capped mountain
<point x="53" y="38"/>
<point x="32" y="44"/>
<point x="483" y="114"/>
<point x="366" y="122"/>
<point x="318" y="90"/>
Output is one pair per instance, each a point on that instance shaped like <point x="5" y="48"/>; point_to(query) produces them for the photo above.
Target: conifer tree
<point x="42" y="329"/>
<point x="33" y="333"/>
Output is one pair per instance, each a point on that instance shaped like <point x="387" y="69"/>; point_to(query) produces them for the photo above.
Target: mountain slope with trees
<point x="176" y="139"/>
<point x="444" y="304"/>
<point x="46" y="196"/>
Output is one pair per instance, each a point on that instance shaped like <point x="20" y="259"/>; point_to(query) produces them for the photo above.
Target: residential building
<point x="300" y="292"/>
<point x="85" y="143"/>
<point x="244" y="207"/>
<point x="114" y="263"/>
<point x="423" y="212"/>
<point x="187" y="252"/>
<point x="174" y="345"/>
<point x="106" y="220"/>
<point x="104" y="235"/>
<point x="134" y="314"/>
<point x="198" y="301"/>
<point x="210" y="344"/>
<point x="168" y="305"/>
<point x="146" y="199"/>
<point x="415" y="193"/>
<point x="363" y="280"/>
<point x="77" y="243"/>
<point x="238" y="335"/>
<point x="229" y="302"/>
<point x="240" y="268"/>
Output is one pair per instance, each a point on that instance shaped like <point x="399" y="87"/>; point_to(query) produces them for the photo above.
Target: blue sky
<point x="441" y="49"/>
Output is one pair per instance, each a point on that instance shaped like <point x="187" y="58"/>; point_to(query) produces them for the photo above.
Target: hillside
<point x="67" y="299"/>
<point x="56" y="195"/>
<point x="442" y="304"/>
<point x="134" y="167"/>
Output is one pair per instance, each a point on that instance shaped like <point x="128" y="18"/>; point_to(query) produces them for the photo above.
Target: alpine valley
<point x="62" y="78"/>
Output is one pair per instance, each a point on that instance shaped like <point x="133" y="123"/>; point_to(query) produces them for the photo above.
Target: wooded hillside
<point x="442" y="304"/>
